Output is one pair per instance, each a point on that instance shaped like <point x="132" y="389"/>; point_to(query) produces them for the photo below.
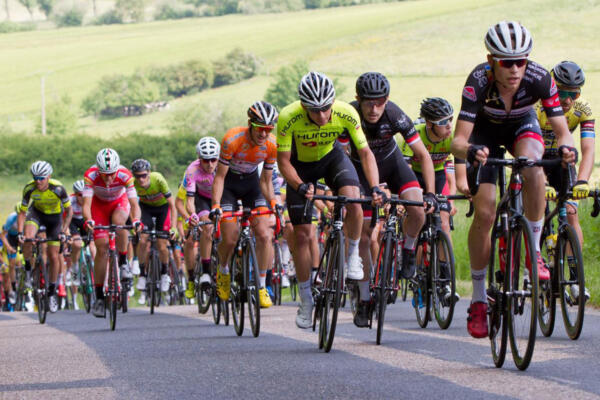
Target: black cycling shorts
<point x="441" y="187"/>
<point x="494" y="136"/>
<point x="52" y="222"/>
<point x="245" y="187"/>
<point x="76" y="227"/>
<point x="161" y="213"/>
<point x="337" y="170"/>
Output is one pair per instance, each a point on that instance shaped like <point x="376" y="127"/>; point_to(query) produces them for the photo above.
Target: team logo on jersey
<point x="469" y="93"/>
<point x="553" y="88"/>
<point x="310" y="144"/>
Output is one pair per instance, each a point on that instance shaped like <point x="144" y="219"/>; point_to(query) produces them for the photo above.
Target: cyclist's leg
<point x="32" y="224"/>
<point x="364" y="247"/>
<point x="203" y="209"/>
<point x="119" y="216"/>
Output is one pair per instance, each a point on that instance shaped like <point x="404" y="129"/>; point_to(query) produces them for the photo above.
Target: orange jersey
<point x="243" y="157"/>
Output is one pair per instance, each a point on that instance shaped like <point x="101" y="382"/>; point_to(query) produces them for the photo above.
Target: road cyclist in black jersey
<point x="381" y="120"/>
<point x="497" y="112"/>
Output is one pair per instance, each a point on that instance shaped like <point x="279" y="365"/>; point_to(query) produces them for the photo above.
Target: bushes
<point x="201" y="120"/>
<point x="182" y="79"/>
<point x="173" y="11"/>
<point x="69" y="16"/>
<point x="9" y="27"/>
<point x="235" y="67"/>
<point x="61" y="118"/>
<point x="285" y="88"/>
<point x="109" y="18"/>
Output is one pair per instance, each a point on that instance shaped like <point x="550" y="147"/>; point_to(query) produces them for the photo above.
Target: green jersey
<point x="157" y="193"/>
<point x="439" y="151"/>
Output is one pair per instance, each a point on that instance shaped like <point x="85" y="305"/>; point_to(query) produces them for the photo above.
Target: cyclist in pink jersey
<point x="199" y="177"/>
<point x="109" y="196"/>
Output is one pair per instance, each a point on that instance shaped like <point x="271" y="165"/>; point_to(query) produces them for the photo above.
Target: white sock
<point x="536" y="229"/>
<point x="224" y="269"/>
<point x="263" y="280"/>
<point x="478" y="278"/>
<point x="313" y="273"/>
<point x="365" y="294"/>
<point x="60" y="279"/>
<point x="304" y="289"/>
<point x="410" y="242"/>
<point x="352" y="247"/>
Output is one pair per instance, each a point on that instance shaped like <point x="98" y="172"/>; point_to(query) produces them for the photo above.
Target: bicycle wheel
<point x="203" y="292"/>
<point x="113" y="292"/>
<point x="497" y="326"/>
<point x="85" y="286"/>
<point x="570" y="273"/>
<point x="383" y="281"/>
<point x="20" y="276"/>
<point x="216" y="307"/>
<point x="124" y="295"/>
<point x="153" y="281"/>
<point x="523" y="292"/>
<point x="224" y="311"/>
<point x="420" y="287"/>
<point x="548" y="289"/>
<point x="236" y="295"/>
<point x="277" y="273"/>
<point x="41" y="292"/>
<point x="332" y="296"/>
<point x="252" y="287"/>
<point x="443" y="277"/>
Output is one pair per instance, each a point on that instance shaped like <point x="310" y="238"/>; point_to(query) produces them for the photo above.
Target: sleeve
<point x="449" y="164"/>
<point x="549" y="96"/>
<point x="129" y="185"/>
<point x="88" y="188"/>
<point x="64" y="196"/>
<point x="227" y="148"/>
<point x="352" y="122"/>
<point x="164" y="186"/>
<point x="26" y="198"/>
<point x="586" y="121"/>
<point x="284" y="132"/>
<point x="473" y="93"/>
<point x="403" y="125"/>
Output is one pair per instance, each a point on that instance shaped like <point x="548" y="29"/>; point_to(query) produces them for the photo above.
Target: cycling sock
<point x="305" y="291"/>
<point x="313" y="273"/>
<point x="262" y="278"/>
<point x="27" y="265"/>
<point x="365" y="294"/>
<point x="191" y="275"/>
<point x="285" y="253"/>
<point x="205" y="265"/>
<point x="122" y="258"/>
<point x="99" y="292"/>
<point x="51" y="289"/>
<point x="163" y="268"/>
<point x="142" y="270"/>
<point x="6" y="292"/>
<point x="409" y="242"/>
<point x="478" y="278"/>
<point x="536" y="229"/>
<point x="269" y="277"/>
<point x="352" y="247"/>
<point x="224" y="269"/>
<point x="14" y="286"/>
<point x="60" y="278"/>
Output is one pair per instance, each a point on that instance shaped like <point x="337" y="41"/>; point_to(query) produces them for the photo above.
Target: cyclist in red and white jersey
<point x="109" y="197"/>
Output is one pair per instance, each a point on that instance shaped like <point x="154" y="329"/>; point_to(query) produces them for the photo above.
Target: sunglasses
<point x="318" y="109"/>
<point x="508" y="63"/>
<point x="209" y="160"/>
<point x="442" y="122"/>
<point x="573" y="94"/>
<point x="140" y="176"/>
<point x="39" y="178"/>
<point x="374" y="102"/>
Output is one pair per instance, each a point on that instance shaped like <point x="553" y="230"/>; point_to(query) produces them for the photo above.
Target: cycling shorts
<point x="52" y="222"/>
<point x="203" y="205"/>
<point x="441" y="187"/>
<point x="76" y="227"/>
<point x="13" y="241"/>
<point x="161" y="213"/>
<point x="102" y="212"/>
<point x="245" y="187"/>
<point x="493" y="136"/>
<point x="557" y="178"/>
<point x="337" y="170"/>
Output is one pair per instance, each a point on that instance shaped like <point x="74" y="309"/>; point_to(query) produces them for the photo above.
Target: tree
<point x="46" y="6"/>
<point x="29" y="5"/>
<point x="95" y="8"/>
<point x="7" y="10"/>
<point x="285" y="88"/>
<point x="131" y="9"/>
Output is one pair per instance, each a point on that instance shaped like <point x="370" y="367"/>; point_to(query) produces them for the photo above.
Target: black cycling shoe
<point x="361" y="318"/>
<point x="409" y="267"/>
<point x="99" y="310"/>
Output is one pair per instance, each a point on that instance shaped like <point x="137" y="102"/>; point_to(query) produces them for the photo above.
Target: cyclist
<point x="496" y="111"/>
<point x="242" y="149"/>
<point x="109" y="197"/>
<point x="199" y="177"/>
<point x="435" y="131"/>
<point x="48" y="197"/>
<point x="156" y="201"/>
<point x="306" y="135"/>
<point x="381" y="120"/>
<point x="77" y="230"/>
<point x="9" y="238"/>
<point x="569" y="79"/>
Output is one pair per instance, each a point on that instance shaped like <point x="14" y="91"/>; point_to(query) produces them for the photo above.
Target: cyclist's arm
<point x="9" y="248"/>
<point x="451" y="177"/>
<point x="561" y="130"/>
<point x="86" y="208"/>
<point x="171" y="203"/>
<point x="587" y="158"/>
<point x="287" y="169"/>
<point x="421" y="153"/>
<point x="67" y="219"/>
<point x="460" y="143"/>
<point x="218" y="183"/>
<point x="266" y="184"/>
<point x="190" y="205"/>
<point x="369" y="165"/>
<point x="181" y="208"/>
<point x="136" y="212"/>
<point x="20" y="221"/>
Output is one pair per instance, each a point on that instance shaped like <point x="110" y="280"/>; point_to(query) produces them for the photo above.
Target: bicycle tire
<point x="277" y="273"/>
<point x="573" y="326"/>
<point x="293" y="288"/>
<point x="20" y="275"/>
<point x="548" y="289"/>
<point x="41" y="293"/>
<point x="421" y="296"/>
<point x="443" y="310"/>
<point x="334" y="281"/>
<point x="203" y="292"/>
<point x="523" y="292"/>
<point x="383" y="281"/>
<point x="252" y="288"/>
<point x="236" y="295"/>
<point x="497" y="326"/>
<point x="153" y="275"/>
<point x="224" y="311"/>
<point x="124" y="295"/>
<point x="113" y="294"/>
<point x="216" y="308"/>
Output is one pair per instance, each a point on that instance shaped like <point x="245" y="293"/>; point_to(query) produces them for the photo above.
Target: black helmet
<point x="567" y="73"/>
<point x="372" y="85"/>
<point x="435" y="109"/>
<point x="263" y="113"/>
<point x="140" y="165"/>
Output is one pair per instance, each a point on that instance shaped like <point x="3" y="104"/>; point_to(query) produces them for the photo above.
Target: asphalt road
<point x="179" y="354"/>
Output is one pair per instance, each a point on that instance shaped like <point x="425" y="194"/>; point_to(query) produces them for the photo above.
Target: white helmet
<point x="509" y="39"/>
<point x="78" y="186"/>
<point x="316" y="90"/>
<point x="41" y="168"/>
<point x="208" y="147"/>
<point x="108" y="161"/>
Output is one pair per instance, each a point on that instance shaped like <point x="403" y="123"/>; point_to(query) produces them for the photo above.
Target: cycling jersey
<point x="579" y="114"/>
<point x="50" y="201"/>
<point x="380" y="135"/>
<point x="242" y="156"/>
<point x="121" y="185"/>
<point x="481" y="99"/>
<point x="309" y="142"/>
<point x="10" y="226"/>
<point x="439" y="151"/>
<point x="77" y="210"/>
<point x="198" y="181"/>
<point x="156" y="194"/>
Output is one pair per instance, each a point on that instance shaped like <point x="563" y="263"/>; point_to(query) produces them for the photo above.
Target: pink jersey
<point x="198" y="181"/>
<point x="95" y="186"/>
<point x="77" y="210"/>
